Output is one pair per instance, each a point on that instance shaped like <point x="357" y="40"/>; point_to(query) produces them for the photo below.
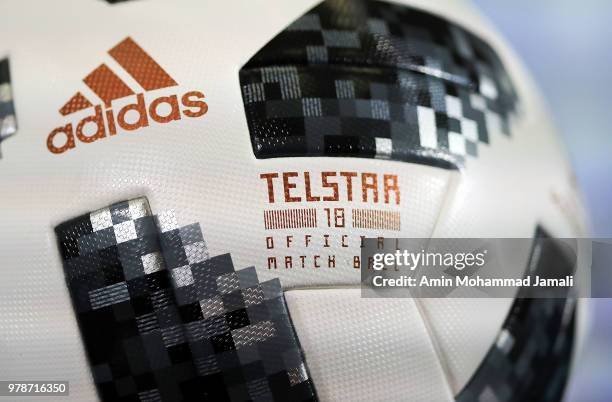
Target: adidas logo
<point x="108" y="87"/>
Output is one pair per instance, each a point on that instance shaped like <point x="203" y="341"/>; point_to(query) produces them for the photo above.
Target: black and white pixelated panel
<point x="8" y="121"/>
<point x="122" y="295"/>
<point x="375" y="80"/>
<point x="161" y="320"/>
<point x="531" y="358"/>
<point x="240" y="333"/>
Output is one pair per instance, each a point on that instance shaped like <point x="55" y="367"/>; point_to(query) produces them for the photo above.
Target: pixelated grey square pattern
<point x="129" y="321"/>
<point x="8" y="120"/>
<point x="531" y="358"/>
<point x="129" y="274"/>
<point x="239" y="329"/>
<point x="376" y="80"/>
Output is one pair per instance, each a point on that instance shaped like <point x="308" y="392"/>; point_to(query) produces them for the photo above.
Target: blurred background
<point x="567" y="45"/>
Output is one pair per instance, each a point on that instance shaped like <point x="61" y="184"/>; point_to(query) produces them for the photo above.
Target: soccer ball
<point x="154" y="152"/>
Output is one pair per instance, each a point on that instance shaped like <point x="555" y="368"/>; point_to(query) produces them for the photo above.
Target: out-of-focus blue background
<point x="567" y="46"/>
